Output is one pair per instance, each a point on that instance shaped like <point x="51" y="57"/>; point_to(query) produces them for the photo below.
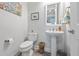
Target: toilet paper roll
<point x="11" y="40"/>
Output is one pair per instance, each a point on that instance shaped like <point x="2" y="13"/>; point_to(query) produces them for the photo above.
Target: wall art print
<point x="35" y="16"/>
<point x="13" y="7"/>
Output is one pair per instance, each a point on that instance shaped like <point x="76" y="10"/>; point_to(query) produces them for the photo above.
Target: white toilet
<point x="27" y="47"/>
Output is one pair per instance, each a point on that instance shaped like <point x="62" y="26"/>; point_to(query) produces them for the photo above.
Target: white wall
<point x="39" y="26"/>
<point x="12" y="26"/>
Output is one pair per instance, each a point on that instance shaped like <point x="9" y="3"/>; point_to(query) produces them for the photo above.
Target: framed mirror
<point x="51" y="14"/>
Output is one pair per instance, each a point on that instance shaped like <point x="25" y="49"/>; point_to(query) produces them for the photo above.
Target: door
<point x="74" y="34"/>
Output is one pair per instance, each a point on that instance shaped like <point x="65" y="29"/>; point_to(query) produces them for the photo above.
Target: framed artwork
<point x="35" y="16"/>
<point x="12" y="7"/>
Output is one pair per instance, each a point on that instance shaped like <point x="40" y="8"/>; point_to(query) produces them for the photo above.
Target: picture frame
<point x="35" y="16"/>
<point x="12" y="7"/>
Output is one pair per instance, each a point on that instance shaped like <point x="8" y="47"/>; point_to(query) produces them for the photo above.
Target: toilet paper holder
<point x="9" y="40"/>
<point x="6" y="40"/>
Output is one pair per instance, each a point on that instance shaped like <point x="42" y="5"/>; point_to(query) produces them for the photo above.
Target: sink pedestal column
<point x="53" y="46"/>
<point x="53" y="39"/>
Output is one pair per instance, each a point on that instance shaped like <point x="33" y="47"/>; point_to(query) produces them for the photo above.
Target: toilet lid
<point x="26" y="44"/>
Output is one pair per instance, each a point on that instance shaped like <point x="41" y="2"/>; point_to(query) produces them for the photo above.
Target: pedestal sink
<point x="53" y="35"/>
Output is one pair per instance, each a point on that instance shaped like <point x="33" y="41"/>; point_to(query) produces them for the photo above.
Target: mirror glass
<point x="51" y="13"/>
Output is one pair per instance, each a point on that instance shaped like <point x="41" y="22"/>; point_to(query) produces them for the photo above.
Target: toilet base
<point x="27" y="53"/>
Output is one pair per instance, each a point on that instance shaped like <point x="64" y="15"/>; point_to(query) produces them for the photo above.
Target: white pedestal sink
<point x="53" y="35"/>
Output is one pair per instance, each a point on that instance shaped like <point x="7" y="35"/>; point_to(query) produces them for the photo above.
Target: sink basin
<point x="54" y="33"/>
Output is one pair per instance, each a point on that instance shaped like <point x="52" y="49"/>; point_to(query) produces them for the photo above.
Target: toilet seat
<point x="26" y="46"/>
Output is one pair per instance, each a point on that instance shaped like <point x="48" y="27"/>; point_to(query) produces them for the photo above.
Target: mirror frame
<point x="56" y="14"/>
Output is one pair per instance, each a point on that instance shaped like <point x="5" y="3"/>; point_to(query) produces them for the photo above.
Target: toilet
<point x="27" y="47"/>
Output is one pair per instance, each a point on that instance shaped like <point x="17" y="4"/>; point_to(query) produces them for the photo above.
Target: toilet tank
<point x="32" y="36"/>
